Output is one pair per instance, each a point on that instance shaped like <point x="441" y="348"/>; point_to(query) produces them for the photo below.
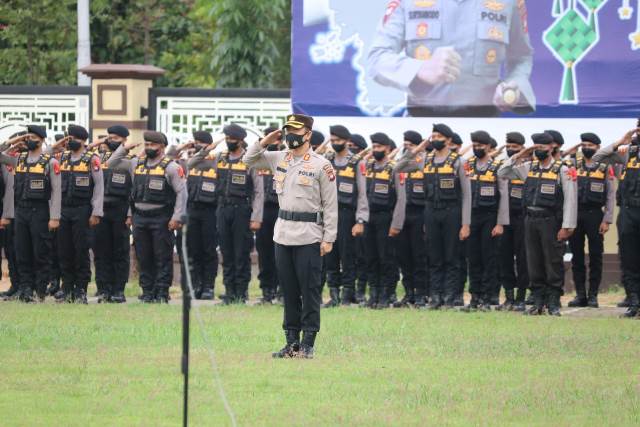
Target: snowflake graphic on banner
<point x="570" y="38"/>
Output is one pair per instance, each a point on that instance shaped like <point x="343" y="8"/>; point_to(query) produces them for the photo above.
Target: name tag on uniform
<point x="487" y="191"/>
<point x="381" y="188"/>
<point x="303" y="180"/>
<point x="548" y="189"/>
<point x="447" y="184"/>
<point x="238" y="179"/>
<point x="156" y="184"/>
<point x="516" y="193"/>
<point x="597" y="187"/>
<point x="345" y="187"/>
<point x="418" y="188"/>
<point x="36" y="184"/>
<point x="209" y="187"/>
<point x="118" y="178"/>
<point x="82" y="181"/>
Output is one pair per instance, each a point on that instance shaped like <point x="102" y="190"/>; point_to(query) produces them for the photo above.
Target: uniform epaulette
<point x="557" y="165"/>
<point x="633" y="149"/>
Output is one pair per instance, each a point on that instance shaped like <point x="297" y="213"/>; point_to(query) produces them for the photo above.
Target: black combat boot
<point x="408" y="299"/>
<point x="537" y="308"/>
<point x="348" y="296"/>
<point x="105" y="296"/>
<point x="206" y="294"/>
<point x="291" y="348"/>
<point x="118" y="298"/>
<point x="634" y="306"/>
<point x="53" y="288"/>
<point x="579" y="301"/>
<point x="530" y="299"/>
<point x="372" y="302"/>
<point x="162" y="295"/>
<point x="593" y="301"/>
<point x="383" y="298"/>
<point x="361" y="288"/>
<point x="519" y="304"/>
<point x="435" y="303"/>
<point x="624" y="303"/>
<point x="306" y="347"/>
<point x="80" y="296"/>
<point x="474" y="304"/>
<point x="267" y="297"/>
<point x="25" y="295"/>
<point x="334" y="293"/>
<point x="509" y="301"/>
<point x="420" y="301"/>
<point x="553" y="302"/>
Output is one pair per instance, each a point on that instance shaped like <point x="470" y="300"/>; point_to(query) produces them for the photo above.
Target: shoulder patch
<point x="56" y="167"/>
<point x="328" y="169"/>
<point x="391" y="7"/>
<point x="96" y="163"/>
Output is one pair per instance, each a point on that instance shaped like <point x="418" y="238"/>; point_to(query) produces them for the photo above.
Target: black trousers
<point x="589" y="221"/>
<point x="341" y="261"/>
<point x="482" y="254"/>
<point x="154" y="250"/>
<point x="235" y="244"/>
<point x="623" y="276"/>
<point x="299" y="269"/>
<point x="7" y="238"/>
<point x="513" y="255"/>
<point x="443" y="230"/>
<point x="361" y="262"/>
<point x="55" y="269"/>
<point x="33" y="247"/>
<point x="544" y="253"/>
<point x="111" y="248"/>
<point x="73" y="247"/>
<point x="202" y="246"/>
<point x="630" y="241"/>
<point x="265" y="246"/>
<point x="380" y="251"/>
<point x="412" y="254"/>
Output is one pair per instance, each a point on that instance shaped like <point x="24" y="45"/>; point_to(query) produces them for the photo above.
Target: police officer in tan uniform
<point x="306" y="229"/>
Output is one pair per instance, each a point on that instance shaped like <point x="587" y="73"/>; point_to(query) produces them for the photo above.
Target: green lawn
<point x="69" y="365"/>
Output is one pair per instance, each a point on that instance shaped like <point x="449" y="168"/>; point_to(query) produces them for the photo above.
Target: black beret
<point x="392" y="144"/>
<point x="268" y="130"/>
<point x="77" y="132"/>
<point x="541" y="138"/>
<point x="456" y="139"/>
<point x="235" y="131"/>
<point x="202" y="136"/>
<point x="298" y="121"/>
<point x="481" y="137"/>
<point x="443" y="129"/>
<point x="494" y="143"/>
<point x="58" y="136"/>
<point x="359" y="140"/>
<point x="317" y="138"/>
<point x="340" y="131"/>
<point x="515" y="138"/>
<point x="157" y="137"/>
<point x="413" y="137"/>
<point x="556" y="136"/>
<point x="38" y="130"/>
<point x="119" y="130"/>
<point x="590" y="137"/>
<point x="634" y="140"/>
<point x="380" y="138"/>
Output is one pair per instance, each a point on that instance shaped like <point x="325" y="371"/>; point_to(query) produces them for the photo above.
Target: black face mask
<point x="555" y="150"/>
<point x="355" y="150"/>
<point x="512" y="153"/>
<point x="438" y="144"/>
<point x="479" y="152"/>
<point x="542" y="154"/>
<point x="293" y="140"/>
<point x="74" y="145"/>
<point x="429" y="148"/>
<point x="338" y="148"/>
<point x="588" y="152"/>
<point x="112" y="145"/>
<point x="151" y="153"/>
<point x="379" y="155"/>
<point x="272" y="147"/>
<point x="232" y="146"/>
<point x="32" y="144"/>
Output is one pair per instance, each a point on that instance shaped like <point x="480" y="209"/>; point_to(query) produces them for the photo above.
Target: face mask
<point x="379" y="155"/>
<point x="338" y="148"/>
<point x="479" y="152"/>
<point x="512" y="153"/>
<point x="151" y="153"/>
<point x="438" y="144"/>
<point x="542" y="154"/>
<point x="232" y="146"/>
<point x="32" y="144"/>
<point x="555" y="150"/>
<point x="272" y="147"/>
<point x="74" y="145"/>
<point x="588" y="152"/>
<point x="293" y="140"/>
<point x="113" y="146"/>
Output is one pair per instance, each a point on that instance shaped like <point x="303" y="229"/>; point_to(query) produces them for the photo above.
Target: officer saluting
<point x="37" y="211"/>
<point x="448" y="55"/>
<point x="550" y="202"/>
<point x="159" y="205"/>
<point x="306" y="228"/>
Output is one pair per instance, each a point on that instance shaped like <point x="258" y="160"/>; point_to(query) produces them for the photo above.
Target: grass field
<point x="69" y="365"/>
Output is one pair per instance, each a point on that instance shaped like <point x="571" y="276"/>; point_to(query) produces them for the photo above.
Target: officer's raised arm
<point x="56" y="190"/>
<point x="257" y="204"/>
<point x="201" y="155"/>
<point x="97" y="199"/>
<point x="611" y="155"/>
<point x="175" y="176"/>
<point x="570" y="203"/>
<point x="257" y="155"/>
<point x="513" y="169"/>
<point x="8" y="199"/>
<point x="399" y="211"/>
<point x="329" y="203"/>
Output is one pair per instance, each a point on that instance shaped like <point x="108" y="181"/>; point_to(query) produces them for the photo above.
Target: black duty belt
<point x="164" y="211"/>
<point x="315" y="217"/>
<point x="541" y="213"/>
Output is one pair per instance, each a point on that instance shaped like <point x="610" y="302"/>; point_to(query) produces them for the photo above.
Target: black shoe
<point x="624" y="303"/>
<point x="360" y="293"/>
<point x="632" y="311"/>
<point x="406" y="301"/>
<point x="473" y="305"/>
<point x="578" y="301"/>
<point x="306" y="345"/>
<point x="535" y="310"/>
<point x="372" y="302"/>
<point x="291" y="348"/>
<point x="305" y="352"/>
<point x="529" y="300"/>
<point x="593" y="301"/>
<point x="162" y="296"/>
<point x="25" y="295"/>
<point x="9" y="293"/>
<point x="81" y="297"/>
<point x="335" y="298"/>
<point x="118" y="298"/>
<point x="383" y="299"/>
<point x="207" y="294"/>
<point x="509" y="301"/>
<point x="435" y="303"/>
<point x="104" y="298"/>
<point x="53" y="288"/>
<point x="519" y="307"/>
<point x="554" y="302"/>
<point x="147" y="298"/>
<point x="494" y="300"/>
<point x="348" y="296"/>
<point x="420" y="302"/>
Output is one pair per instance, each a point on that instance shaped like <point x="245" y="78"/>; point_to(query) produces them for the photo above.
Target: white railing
<point x="177" y="117"/>
<point x="53" y="111"/>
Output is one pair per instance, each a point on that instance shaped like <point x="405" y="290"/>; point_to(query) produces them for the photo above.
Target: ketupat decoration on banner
<point x="570" y="38"/>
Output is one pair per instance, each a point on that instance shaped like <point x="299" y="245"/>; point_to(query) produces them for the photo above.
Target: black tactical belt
<point x="301" y="216"/>
<point x="540" y="213"/>
<point x="165" y="211"/>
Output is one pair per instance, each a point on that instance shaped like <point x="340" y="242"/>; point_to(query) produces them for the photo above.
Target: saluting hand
<point x="325" y="248"/>
<point x="131" y="144"/>
<point x="272" y="138"/>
